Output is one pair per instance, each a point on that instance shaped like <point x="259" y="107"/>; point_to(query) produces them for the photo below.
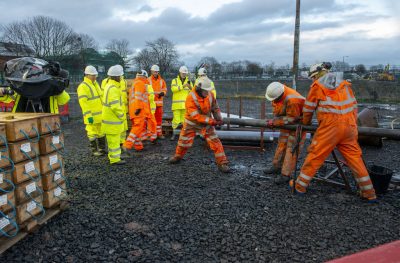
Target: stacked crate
<point x="35" y="146"/>
<point x="8" y="225"/>
<point x="23" y="141"/>
<point x="51" y="160"/>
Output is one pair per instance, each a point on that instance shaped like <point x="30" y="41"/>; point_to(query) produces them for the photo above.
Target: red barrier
<point x="387" y="253"/>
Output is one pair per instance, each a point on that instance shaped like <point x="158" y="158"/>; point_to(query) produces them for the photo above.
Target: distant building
<point x="12" y="50"/>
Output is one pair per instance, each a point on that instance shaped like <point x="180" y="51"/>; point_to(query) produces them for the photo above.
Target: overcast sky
<point x="367" y="31"/>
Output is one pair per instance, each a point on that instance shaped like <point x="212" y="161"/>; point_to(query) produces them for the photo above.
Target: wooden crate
<point x="47" y="122"/>
<point x="50" y="162"/>
<point x="25" y="210"/>
<point x="31" y="187"/>
<point x="5" y="199"/>
<point x="4" y="185"/>
<point x="16" y="150"/>
<point x="49" y="143"/>
<point x="3" y="134"/>
<point x="55" y="196"/>
<point x="53" y="179"/>
<point x="16" y="123"/>
<point x="19" y="176"/>
<point x="7" y="226"/>
<point x="4" y="157"/>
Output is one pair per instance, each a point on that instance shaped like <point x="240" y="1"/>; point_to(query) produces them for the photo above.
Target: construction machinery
<point x="385" y="75"/>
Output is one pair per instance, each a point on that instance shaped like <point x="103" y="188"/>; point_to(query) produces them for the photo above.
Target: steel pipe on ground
<point x="367" y="131"/>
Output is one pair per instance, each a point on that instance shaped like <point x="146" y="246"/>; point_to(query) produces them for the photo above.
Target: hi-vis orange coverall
<point x="138" y="99"/>
<point x="336" y="109"/>
<point x="159" y="86"/>
<point x="287" y="110"/>
<point x="198" y="119"/>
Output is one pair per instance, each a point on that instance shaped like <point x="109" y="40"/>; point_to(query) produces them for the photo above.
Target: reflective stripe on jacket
<point x="338" y="104"/>
<point x="139" y="98"/>
<point x="159" y="86"/>
<point x="89" y="96"/>
<point x="289" y="109"/>
<point x="179" y="93"/>
<point x="113" y="114"/>
<point x="199" y="110"/>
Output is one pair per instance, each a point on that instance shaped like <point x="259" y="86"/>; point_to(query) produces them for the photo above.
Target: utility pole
<point x="296" y="45"/>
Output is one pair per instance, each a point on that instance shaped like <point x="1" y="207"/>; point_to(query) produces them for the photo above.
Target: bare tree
<point x="163" y="53"/>
<point x="119" y="46"/>
<point x="48" y="37"/>
<point x="85" y="41"/>
<point x="212" y="65"/>
<point x="144" y="59"/>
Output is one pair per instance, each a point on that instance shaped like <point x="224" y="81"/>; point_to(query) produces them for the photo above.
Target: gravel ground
<point x="150" y="211"/>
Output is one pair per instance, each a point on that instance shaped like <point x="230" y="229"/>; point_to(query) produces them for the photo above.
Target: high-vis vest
<point x="89" y="96"/>
<point x="337" y="104"/>
<point x="7" y="103"/>
<point x="124" y="90"/>
<point x="199" y="110"/>
<point x="288" y="108"/>
<point x="113" y="114"/>
<point x="179" y="93"/>
<point x="54" y="101"/>
<point x="152" y="101"/>
<point x="159" y="86"/>
<point x="139" y="98"/>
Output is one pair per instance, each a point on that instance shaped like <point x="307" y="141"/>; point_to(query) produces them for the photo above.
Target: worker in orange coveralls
<point x="202" y="113"/>
<point x="336" y="107"/>
<point x="287" y="106"/>
<point x="139" y="111"/>
<point x="160" y="90"/>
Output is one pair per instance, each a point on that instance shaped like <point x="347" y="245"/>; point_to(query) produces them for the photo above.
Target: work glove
<point x="213" y="122"/>
<point x="270" y="124"/>
<point x="90" y="120"/>
<point x="162" y="94"/>
<point x="137" y="112"/>
<point x="220" y="123"/>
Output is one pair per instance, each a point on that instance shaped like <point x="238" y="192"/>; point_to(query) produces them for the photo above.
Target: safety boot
<point x="161" y="137"/>
<point x="272" y="170"/>
<point x="281" y="179"/>
<point x="292" y="188"/>
<point x="173" y="137"/>
<point x="224" y="168"/>
<point x="94" y="148"/>
<point x="120" y="162"/>
<point x="174" y="159"/>
<point x="101" y="143"/>
<point x="125" y="153"/>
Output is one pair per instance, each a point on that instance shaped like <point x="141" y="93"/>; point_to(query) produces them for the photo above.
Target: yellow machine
<point x="385" y="75"/>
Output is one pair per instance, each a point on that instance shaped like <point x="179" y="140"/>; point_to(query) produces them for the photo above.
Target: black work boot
<point x="272" y="170"/>
<point x="102" y="144"/>
<point x="174" y="159"/>
<point x="224" y="168"/>
<point x="94" y="148"/>
<point x="281" y="179"/>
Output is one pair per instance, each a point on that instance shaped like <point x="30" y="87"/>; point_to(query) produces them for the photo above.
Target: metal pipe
<point x="368" y="131"/>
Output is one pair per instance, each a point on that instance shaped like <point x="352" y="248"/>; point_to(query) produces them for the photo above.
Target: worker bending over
<point x="287" y="107"/>
<point x="336" y="108"/>
<point x="202" y="113"/>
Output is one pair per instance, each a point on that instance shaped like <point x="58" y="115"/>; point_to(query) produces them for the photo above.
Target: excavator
<point x="385" y="75"/>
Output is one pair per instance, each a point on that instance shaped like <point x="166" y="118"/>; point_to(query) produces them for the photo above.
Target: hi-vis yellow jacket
<point x="113" y="114"/>
<point x="179" y="93"/>
<point x="124" y="90"/>
<point x="89" y="96"/>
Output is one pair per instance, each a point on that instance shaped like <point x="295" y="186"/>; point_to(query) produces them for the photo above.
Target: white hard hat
<point x="90" y="70"/>
<point x="142" y="73"/>
<point x="120" y="68"/>
<point x="155" y="68"/>
<point x="202" y="72"/>
<point x="316" y="68"/>
<point x="115" y="71"/>
<point x="205" y="83"/>
<point x="274" y="90"/>
<point x="183" y="69"/>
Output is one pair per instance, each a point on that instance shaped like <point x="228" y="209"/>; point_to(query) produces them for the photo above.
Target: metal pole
<point x="368" y="131"/>
<point x="228" y="110"/>
<point x="296" y="45"/>
<point x="262" y="116"/>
